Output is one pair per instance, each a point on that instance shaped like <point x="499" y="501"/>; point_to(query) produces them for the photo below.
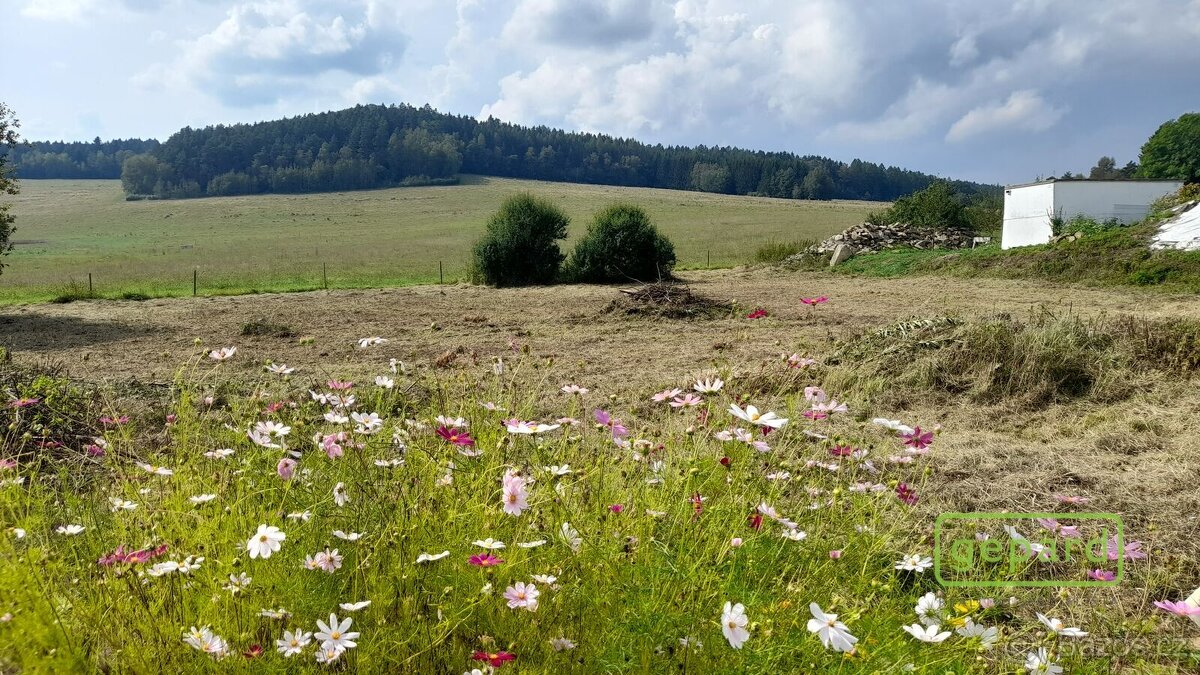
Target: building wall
<point x="1027" y="212"/>
<point x="1028" y="208"/>
<point x="1127" y="201"/>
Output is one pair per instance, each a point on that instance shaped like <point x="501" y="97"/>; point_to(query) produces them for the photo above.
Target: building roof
<point x="1088" y="180"/>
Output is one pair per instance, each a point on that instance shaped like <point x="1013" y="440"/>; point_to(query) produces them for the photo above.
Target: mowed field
<point x="70" y="229"/>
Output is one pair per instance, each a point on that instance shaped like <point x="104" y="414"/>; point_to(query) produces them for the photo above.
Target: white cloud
<point x="57" y="10"/>
<point x="1024" y="110"/>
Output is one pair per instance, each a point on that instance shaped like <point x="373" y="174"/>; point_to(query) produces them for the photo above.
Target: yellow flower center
<point x="335" y="635"/>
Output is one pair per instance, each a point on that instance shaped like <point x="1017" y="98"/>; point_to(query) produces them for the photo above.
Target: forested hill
<point x="372" y="146"/>
<point x="58" y="159"/>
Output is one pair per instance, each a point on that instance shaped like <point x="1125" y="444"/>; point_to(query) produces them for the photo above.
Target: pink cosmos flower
<point x="515" y="496"/>
<point x="797" y="361"/>
<point x="329" y="443"/>
<point x="94" y="450"/>
<point x="1101" y="575"/>
<point x="286" y="468"/>
<point x="24" y="403"/>
<point x="917" y="439"/>
<point x="617" y="508"/>
<point x="835" y="554"/>
<point x="132" y="557"/>
<point x="338" y="385"/>
<point x="1063" y="499"/>
<point x="665" y="394"/>
<point x="813" y="302"/>
<point x="757" y="313"/>
<point x="522" y="596"/>
<point x="456" y="437"/>
<point x="816" y="415"/>
<point x="604" y="419"/>
<point x="1177" y="608"/>
<point x="484" y="560"/>
<point x="906" y="494"/>
<point x="495" y="659"/>
<point x="755" y="520"/>
<point x="687" y="400"/>
<point x="1132" y="550"/>
<point x="114" y="421"/>
<point x="841" y="450"/>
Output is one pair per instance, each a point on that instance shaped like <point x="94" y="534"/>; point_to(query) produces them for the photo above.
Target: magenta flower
<point x="24" y="403"/>
<point x="114" y="421"/>
<point x="456" y="437"/>
<point x="94" y="450"/>
<point x="841" y="450"/>
<point x="132" y="557"/>
<point x="906" y="494"/>
<point x="917" y="439"/>
<point x="1101" y="575"/>
<point x="618" y="430"/>
<point x="816" y="415"/>
<point x="485" y="560"/>
<point x="758" y="313"/>
<point x="617" y="508"/>
<point x="835" y="554"/>
<point x="286" y="468"/>
<point x="813" y="302"/>
<point x="1178" y="608"/>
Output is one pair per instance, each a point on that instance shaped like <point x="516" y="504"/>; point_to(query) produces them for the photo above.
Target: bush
<point x="520" y="247"/>
<point x="621" y="245"/>
<point x="937" y="207"/>
<point x="778" y="251"/>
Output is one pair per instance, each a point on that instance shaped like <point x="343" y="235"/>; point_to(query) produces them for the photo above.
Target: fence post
<point x="709" y="263"/>
<point x="195" y="281"/>
<point x="324" y="277"/>
<point x="441" y="278"/>
<point x="89" y="283"/>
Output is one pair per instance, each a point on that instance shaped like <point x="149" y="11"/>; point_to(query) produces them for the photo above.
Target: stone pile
<point x="868" y="238"/>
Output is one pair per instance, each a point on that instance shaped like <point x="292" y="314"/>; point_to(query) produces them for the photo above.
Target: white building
<point x="1028" y="208"/>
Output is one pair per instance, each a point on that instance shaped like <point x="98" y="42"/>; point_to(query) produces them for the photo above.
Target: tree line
<point x="372" y="146"/>
<point x="76" y="159"/>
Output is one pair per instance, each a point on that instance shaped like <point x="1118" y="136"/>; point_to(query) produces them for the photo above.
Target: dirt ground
<point x="1137" y="458"/>
<point x="149" y="340"/>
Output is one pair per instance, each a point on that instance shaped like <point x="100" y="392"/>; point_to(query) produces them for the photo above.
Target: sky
<point x="994" y="91"/>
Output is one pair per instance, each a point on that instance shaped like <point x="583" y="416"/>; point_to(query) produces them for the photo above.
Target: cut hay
<point x="668" y="300"/>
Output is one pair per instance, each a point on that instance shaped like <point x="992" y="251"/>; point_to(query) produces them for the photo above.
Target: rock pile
<point x="868" y="238"/>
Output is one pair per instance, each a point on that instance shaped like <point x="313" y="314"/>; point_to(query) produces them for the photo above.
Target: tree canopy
<point x="1173" y="152"/>
<point x="8" y="184"/>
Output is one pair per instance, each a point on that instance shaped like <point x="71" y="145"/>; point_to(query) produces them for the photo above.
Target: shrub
<point x="621" y="244"/>
<point x="778" y="251"/>
<point x="937" y="207"/>
<point x="520" y="247"/>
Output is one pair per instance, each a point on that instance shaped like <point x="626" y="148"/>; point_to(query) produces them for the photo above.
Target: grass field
<point x="1041" y="396"/>
<point x="377" y="238"/>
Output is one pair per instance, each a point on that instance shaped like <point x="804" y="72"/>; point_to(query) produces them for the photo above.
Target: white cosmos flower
<point x="574" y="389"/>
<point x="571" y="536"/>
<point x="201" y="499"/>
<point x="489" y="543"/>
<point x="119" y="504"/>
<point x="1039" y="662"/>
<point x="302" y="516"/>
<point x="988" y="636"/>
<point x="929" y="609"/>
<point x="1060" y="628"/>
<point x="222" y="353"/>
<point x="363" y="343"/>
<point x="733" y="624"/>
<point x="272" y="428"/>
<point x="221" y="453"/>
<point x="368" y="423"/>
<point x="336" y="635"/>
<point x="334" y="417"/>
<point x="914" y="563"/>
<point x="352" y="536"/>
<point x="354" y="606"/>
<point x="339" y="494"/>
<point x="280" y="369"/>
<point x="559" y="470"/>
<point x="928" y="634"/>
<point x="293" y="643"/>
<point x="69" y="530"/>
<point x="794" y="535"/>
<point x="709" y="385"/>
<point x="18" y="532"/>
<point x="519" y="427"/>
<point x="267" y="540"/>
<point x="385" y="382"/>
<point x="156" y="470"/>
<point x="894" y="425"/>
<point x="452" y="422"/>
<point x="562" y="644"/>
<point x="751" y="415"/>
<point x="833" y="633"/>
<point x="261" y="439"/>
<point x="430" y="557"/>
<point x="531" y="544"/>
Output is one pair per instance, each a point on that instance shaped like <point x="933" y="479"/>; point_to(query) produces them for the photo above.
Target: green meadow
<point x="68" y="229"/>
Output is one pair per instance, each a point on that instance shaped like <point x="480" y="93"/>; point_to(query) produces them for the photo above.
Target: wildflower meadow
<point x="496" y="519"/>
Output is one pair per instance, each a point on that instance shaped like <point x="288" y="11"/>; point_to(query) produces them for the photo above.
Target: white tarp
<point x="1181" y="231"/>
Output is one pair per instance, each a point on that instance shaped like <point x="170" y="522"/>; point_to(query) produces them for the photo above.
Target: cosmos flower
<point x="666" y="394"/>
<point x="354" y="606"/>
<point x="484" y="560"/>
<point x="928" y="634"/>
<point x="489" y="544"/>
<point x="1039" y="662"/>
<point x="929" y="609"/>
<point x="574" y="389"/>
<point x="267" y="540"/>
<point x="291" y="643"/>
<point x="914" y="563"/>
<point x="70" y="530"/>
<point x="917" y="439"/>
<point x="222" y="354"/>
<point x="493" y="659"/>
<point x="751" y="415"/>
<point x="363" y="343"/>
<point x="614" y="425"/>
<point x="733" y="624"/>
<point x="328" y="561"/>
<point x="686" y="401"/>
<point x="987" y="636"/>
<point x="813" y="302"/>
<point x="522" y="596"/>
<point x="1181" y="608"/>
<point x="280" y="369"/>
<point x="1059" y="628"/>
<point x="758" y="313"/>
<point x="385" y="382"/>
<point x="833" y="633"/>
<point x="430" y="557"/>
<point x="156" y="470"/>
<point x="709" y="385"/>
<point x="340" y="497"/>
<point x="456" y="437"/>
<point x="335" y="635"/>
